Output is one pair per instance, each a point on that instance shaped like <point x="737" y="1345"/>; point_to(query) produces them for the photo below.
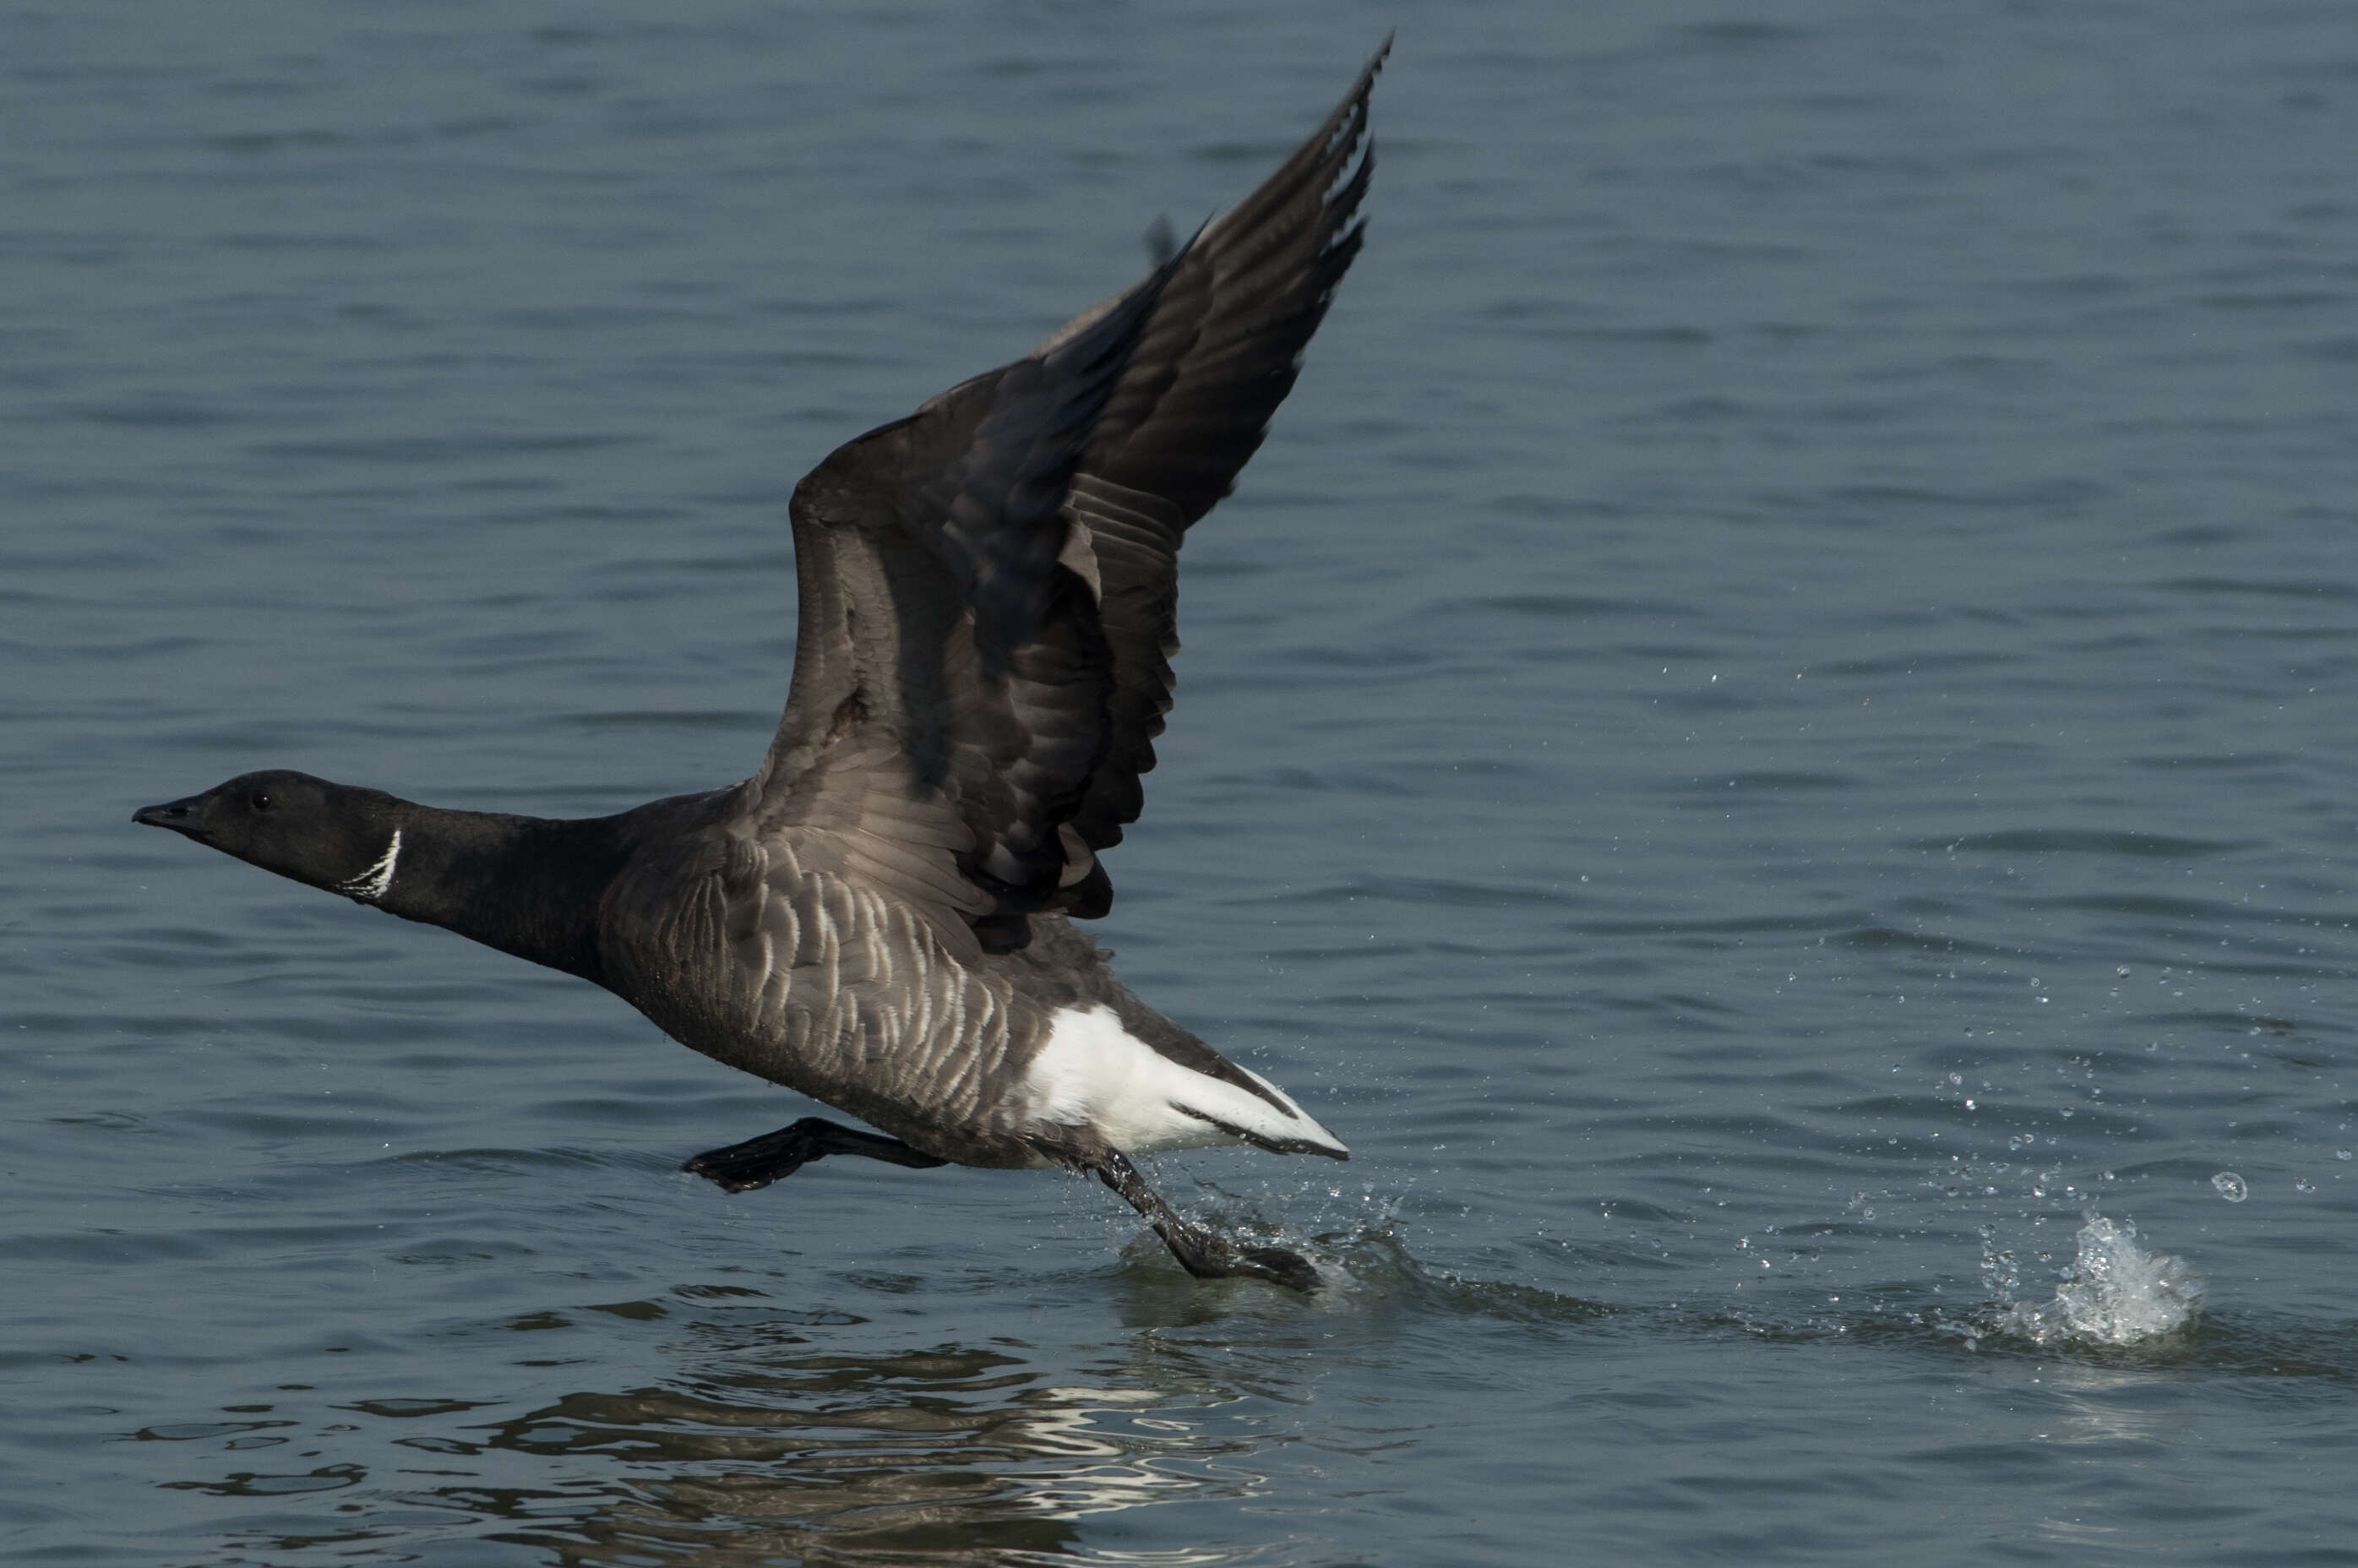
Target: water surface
<point x="1771" y="731"/>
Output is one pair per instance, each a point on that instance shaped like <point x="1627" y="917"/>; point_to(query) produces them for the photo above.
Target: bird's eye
<point x="260" y="802"/>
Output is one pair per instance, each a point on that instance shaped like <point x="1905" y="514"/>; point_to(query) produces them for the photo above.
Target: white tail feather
<point x="1094" y="1073"/>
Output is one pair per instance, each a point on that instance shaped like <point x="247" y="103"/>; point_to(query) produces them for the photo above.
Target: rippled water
<point x="1771" y="741"/>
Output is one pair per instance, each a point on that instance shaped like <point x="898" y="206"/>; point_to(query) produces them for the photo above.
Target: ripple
<point x="2088" y="842"/>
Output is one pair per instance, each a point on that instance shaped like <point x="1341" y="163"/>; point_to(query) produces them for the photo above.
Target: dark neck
<point x="525" y="885"/>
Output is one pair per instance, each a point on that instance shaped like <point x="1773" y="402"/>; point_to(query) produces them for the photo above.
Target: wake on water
<point x="2115" y="1294"/>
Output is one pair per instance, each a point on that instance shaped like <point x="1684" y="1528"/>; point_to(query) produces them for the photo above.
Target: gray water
<point x="1771" y="731"/>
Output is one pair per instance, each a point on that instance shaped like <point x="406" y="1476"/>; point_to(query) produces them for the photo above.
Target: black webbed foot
<point x="1201" y="1253"/>
<point x="1279" y="1267"/>
<point x="758" y="1161"/>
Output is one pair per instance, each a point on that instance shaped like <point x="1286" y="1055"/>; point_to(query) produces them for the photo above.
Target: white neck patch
<point x="377" y="880"/>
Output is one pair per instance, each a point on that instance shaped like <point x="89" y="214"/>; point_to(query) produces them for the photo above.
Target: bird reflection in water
<point x="957" y="1454"/>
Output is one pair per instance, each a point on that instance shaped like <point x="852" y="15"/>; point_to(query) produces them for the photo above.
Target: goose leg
<point x="1200" y="1252"/>
<point x="758" y="1161"/>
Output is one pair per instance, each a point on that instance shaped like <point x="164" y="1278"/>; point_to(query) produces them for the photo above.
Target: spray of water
<point x="2116" y="1294"/>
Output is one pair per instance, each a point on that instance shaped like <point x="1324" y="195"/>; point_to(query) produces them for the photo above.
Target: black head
<point x="327" y="834"/>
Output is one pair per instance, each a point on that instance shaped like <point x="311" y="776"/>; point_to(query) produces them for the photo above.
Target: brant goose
<point x="881" y="917"/>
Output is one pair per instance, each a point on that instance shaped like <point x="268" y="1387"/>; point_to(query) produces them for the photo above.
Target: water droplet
<point x="2231" y="1186"/>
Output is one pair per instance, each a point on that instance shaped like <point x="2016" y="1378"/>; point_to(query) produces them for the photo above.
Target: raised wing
<point x="1194" y="401"/>
<point x="987" y="586"/>
<point x="951" y="679"/>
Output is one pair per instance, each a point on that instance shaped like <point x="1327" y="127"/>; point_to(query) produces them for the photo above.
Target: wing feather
<point x="989" y="590"/>
<point x="1194" y="405"/>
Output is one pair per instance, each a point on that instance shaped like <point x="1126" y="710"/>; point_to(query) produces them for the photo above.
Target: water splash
<point x="2116" y="1294"/>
